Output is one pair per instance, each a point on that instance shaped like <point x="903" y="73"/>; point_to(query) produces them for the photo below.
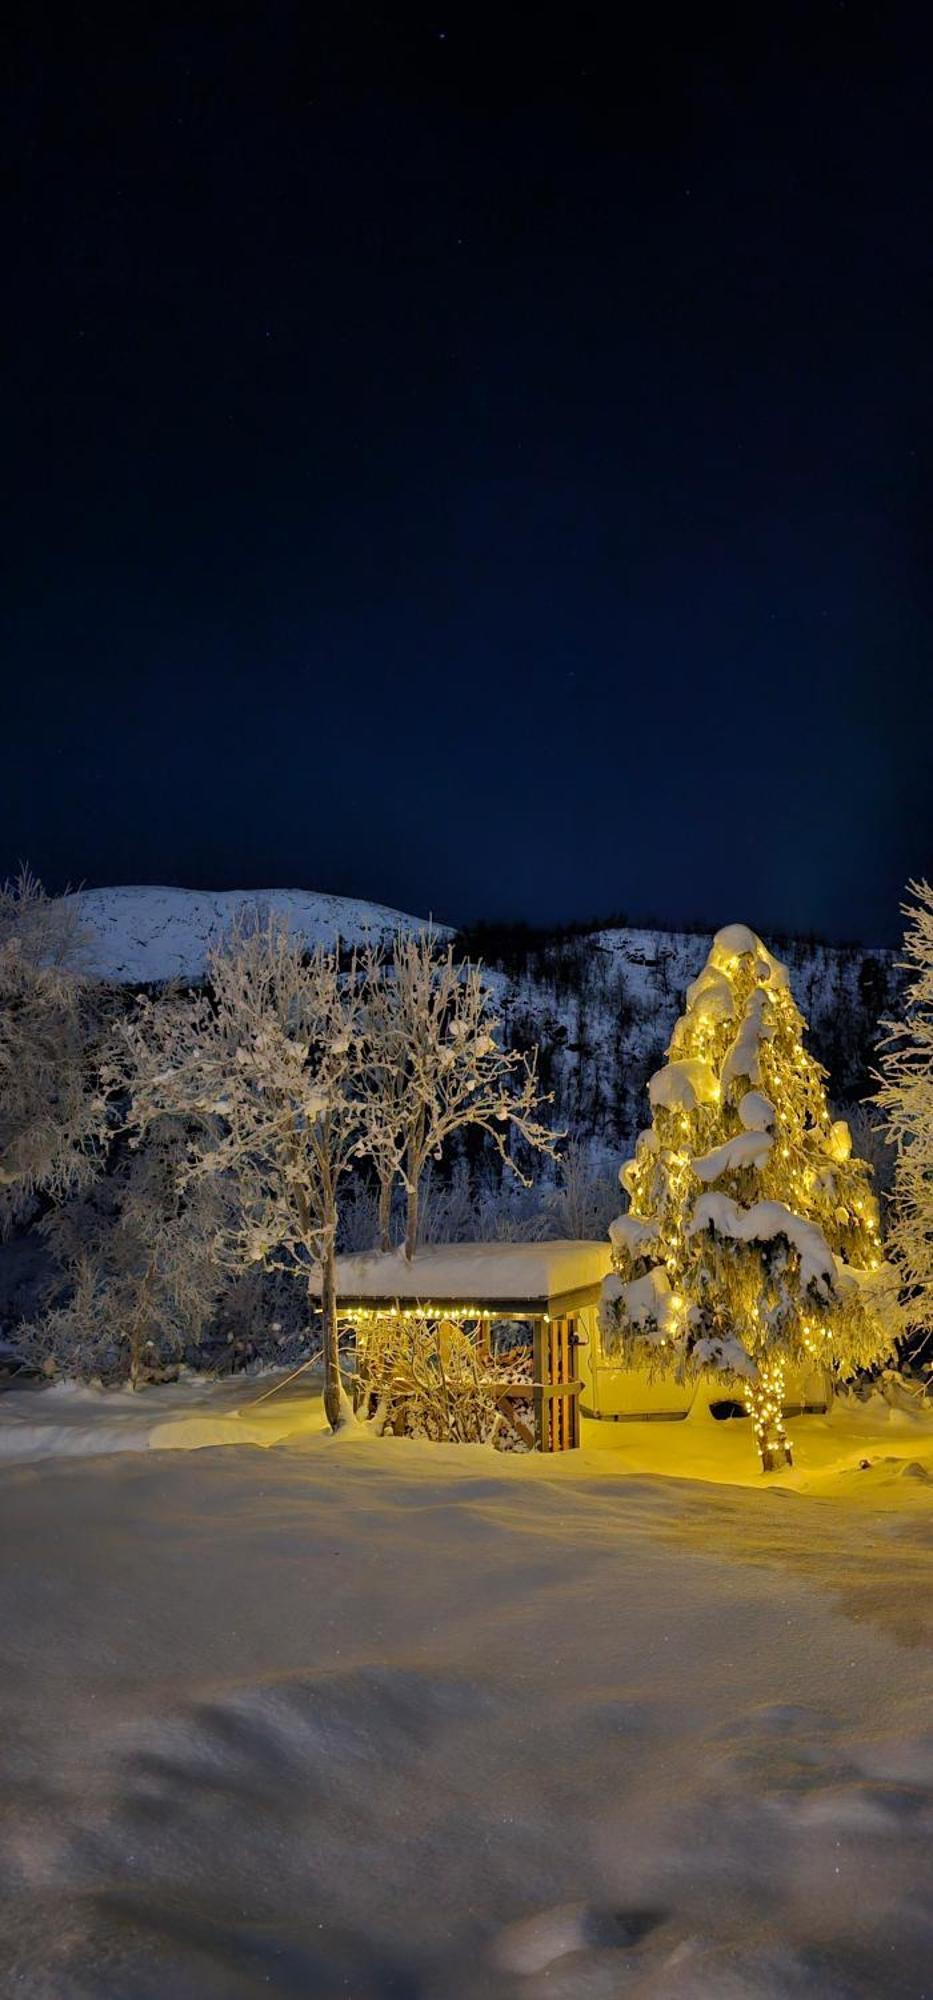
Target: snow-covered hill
<point x="150" y="934"/>
<point x="599" y="1004"/>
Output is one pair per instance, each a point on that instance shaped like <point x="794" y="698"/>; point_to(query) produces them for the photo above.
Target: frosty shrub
<point x="140" y="1279"/>
<point x="424" y="1379"/>
<point x="261" y="1318"/>
<point x="578" y="1199"/>
<point x="585" y="1196"/>
<point x="359" y="1216"/>
<point x="480" y="1205"/>
<point x="51" y="1112"/>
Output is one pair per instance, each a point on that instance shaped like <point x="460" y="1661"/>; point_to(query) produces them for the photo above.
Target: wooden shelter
<point x="485" y="1286"/>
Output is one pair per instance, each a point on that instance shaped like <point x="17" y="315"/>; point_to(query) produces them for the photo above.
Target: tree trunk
<point x="411" y="1230"/>
<point x="764" y="1401"/>
<point x="385" y="1212"/>
<point x="139" y="1325"/>
<point x="335" y="1400"/>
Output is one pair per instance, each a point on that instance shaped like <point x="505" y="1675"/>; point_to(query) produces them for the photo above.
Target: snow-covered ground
<point x="375" y="1718"/>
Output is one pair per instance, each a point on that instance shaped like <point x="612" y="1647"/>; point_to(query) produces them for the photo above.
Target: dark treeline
<point x="600" y="1000"/>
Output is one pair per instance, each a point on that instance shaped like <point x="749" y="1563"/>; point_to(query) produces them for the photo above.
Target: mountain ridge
<point x="599" y="1003"/>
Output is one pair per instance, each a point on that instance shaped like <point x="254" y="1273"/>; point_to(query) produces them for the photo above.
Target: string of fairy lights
<point x="459" y="1315"/>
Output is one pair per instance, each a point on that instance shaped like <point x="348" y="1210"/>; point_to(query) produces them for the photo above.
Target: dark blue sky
<point x="479" y="463"/>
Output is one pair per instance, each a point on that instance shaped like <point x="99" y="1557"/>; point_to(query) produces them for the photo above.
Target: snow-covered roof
<point x="475" y="1273"/>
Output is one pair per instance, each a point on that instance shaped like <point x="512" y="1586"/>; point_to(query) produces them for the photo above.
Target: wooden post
<point x="556" y="1388"/>
<point x="539" y="1363"/>
<point x="483" y="1338"/>
<point x="553" y="1401"/>
<point x="573" y="1400"/>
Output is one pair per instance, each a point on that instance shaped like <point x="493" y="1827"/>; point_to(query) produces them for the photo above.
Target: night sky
<point x="478" y="460"/>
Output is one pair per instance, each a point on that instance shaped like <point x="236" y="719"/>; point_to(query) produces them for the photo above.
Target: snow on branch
<point x="435" y="1067"/>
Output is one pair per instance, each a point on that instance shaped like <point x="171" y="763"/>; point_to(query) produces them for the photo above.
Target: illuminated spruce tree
<point x="752" y="1241"/>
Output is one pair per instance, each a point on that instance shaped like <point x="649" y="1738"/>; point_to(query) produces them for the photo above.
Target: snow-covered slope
<point x="147" y="933"/>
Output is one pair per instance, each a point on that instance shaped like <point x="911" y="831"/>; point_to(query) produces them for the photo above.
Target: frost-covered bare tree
<point x="585" y="1197"/>
<point x="359" y="1217"/>
<point x="434" y="1067"/>
<point x="51" y="1112"/>
<point x="50" y="930"/>
<point x="576" y="1199"/>
<point x="906" y="1097"/>
<point x="266" y="1063"/>
<point x="138" y="1255"/>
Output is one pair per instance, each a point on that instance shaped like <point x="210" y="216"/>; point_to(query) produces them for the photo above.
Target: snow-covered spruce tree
<point x="751" y="1242"/>
<point x="51" y="1112"/>
<point x="267" y="1061"/>
<point x="906" y="1097"/>
<point x="434" y="1067"/>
